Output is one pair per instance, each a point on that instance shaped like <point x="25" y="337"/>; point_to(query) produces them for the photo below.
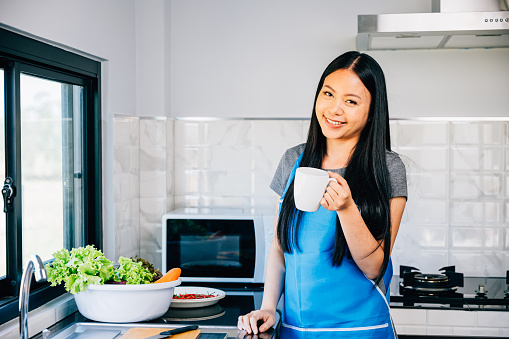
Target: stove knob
<point x="481" y="292"/>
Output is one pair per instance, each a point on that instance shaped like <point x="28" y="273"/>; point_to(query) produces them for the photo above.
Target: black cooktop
<point x="447" y="288"/>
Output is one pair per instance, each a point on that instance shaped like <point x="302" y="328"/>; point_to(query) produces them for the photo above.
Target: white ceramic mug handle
<point x="332" y="179"/>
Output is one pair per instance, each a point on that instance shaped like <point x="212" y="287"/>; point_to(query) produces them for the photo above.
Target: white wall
<point x="229" y="58"/>
<point x="263" y="58"/>
<point x="102" y="28"/>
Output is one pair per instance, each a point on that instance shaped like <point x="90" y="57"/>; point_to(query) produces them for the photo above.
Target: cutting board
<point x="140" y="333"/>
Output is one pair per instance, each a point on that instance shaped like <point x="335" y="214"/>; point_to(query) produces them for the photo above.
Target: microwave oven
<point x="224" y="246"/>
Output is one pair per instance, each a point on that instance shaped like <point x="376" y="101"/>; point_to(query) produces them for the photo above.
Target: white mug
<point x="309" y="187"/>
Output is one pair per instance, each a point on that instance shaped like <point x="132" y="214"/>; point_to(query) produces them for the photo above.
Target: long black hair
<point x="366" y="173"/>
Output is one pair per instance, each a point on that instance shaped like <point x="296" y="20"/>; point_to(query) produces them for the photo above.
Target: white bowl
<point x="125" y="303"/>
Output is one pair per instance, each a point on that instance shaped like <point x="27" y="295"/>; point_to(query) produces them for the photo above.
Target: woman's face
<point x="342" y="106"/>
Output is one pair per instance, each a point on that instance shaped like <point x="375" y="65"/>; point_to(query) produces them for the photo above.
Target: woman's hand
<point x="249" y="322"/>
<point x="337" y="196"/>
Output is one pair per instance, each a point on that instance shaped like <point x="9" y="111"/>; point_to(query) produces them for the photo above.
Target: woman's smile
<point x="334" y="123"/>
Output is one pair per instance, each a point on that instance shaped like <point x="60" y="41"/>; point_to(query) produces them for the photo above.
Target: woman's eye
<point x="327" y="94"/>
<point x="352" y="102"/>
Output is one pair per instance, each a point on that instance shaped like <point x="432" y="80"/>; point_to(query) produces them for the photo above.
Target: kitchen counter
<point x="87" y="330"/>
<point x="78" y="327"/>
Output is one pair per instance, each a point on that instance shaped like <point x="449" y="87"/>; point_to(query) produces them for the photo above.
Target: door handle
<point x="8" y="192"/>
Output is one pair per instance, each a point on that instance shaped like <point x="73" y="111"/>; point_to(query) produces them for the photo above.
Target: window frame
<point x="22" y="52"/>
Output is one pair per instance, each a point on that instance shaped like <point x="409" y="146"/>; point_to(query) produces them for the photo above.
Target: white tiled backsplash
<point x="458" y="178"/>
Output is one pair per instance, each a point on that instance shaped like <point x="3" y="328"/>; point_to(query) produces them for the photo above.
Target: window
<point x="50" y="156"/>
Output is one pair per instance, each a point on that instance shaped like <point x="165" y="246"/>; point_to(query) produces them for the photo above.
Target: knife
<point x="167" y="334"/>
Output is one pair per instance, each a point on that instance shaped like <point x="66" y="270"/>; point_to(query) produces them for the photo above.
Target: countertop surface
<point x="96" y="330"/>
<point x="76" y="326"/>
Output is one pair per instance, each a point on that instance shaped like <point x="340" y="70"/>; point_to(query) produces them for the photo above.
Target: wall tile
<point x="506" y="184"/>
<point x="463" y="237"/>
<point x="121" y="127"/>
<point x="187" y="182"/>
<point x="152" y="210"/>
<point x="506" y="241"/>
<point x="493" y="133"/>
<point x="424" y="160"/>
<point x="465" y="133"/>
<point x="127" y="230"/>
<point x="122" y="159"/>
<point x="493" y="238"/>
<point x="134" y="132"/>
<point x="188" y="133"/>
<point x="432" y="237"/>
<point x="432" y="211"/>
<point x="192" y="201"/>
<point x="466" y="212"/>
<point x="152" y="184"/>
<point x="189" y="158"/>
<point x="491" y="185"/>
<point x="170" y="164"/>
<point x="466" y="159"/>
<point x="226" y="182"/>
<point x="492" y="159"/>
<point x="424" y="259"/>
<point x="465" y="186"/>
<point x="393" y="128"/>
<point x="428" y="185"/>
<point x="478" y="263"/>
<point x="271" y="138"/>
<point x="507" y="212"/>
<point x="152" y="158"/>
<point x="506" y="159"/>
<point x="227" y="158"/>
<point x="121" y="187"/>
<point x="419" y="134"/>
<point x="227" y="133"/>
<point x="153" y="132"/>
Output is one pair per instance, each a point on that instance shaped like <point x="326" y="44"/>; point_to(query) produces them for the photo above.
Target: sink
<point x="95" y="330"/>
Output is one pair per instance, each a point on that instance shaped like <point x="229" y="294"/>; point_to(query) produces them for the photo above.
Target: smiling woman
<point x="52" y="185"/>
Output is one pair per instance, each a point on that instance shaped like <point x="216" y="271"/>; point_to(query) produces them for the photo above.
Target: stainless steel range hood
<point x="451" y="24"/>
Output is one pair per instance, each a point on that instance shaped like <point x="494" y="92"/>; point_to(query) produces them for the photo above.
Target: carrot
<point x="171" y="275"/>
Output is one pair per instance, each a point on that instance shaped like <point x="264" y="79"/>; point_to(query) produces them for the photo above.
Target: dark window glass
<point x="50" y="154"/>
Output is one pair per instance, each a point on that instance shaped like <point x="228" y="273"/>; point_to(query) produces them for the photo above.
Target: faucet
<point x="34" y="264"/>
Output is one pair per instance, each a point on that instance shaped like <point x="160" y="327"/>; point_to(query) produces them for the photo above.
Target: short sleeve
<point x="397" y="172"/>
<point x="284" y="168"/>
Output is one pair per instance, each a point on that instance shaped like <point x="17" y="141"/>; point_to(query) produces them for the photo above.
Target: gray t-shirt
<point x="395" y="166"/>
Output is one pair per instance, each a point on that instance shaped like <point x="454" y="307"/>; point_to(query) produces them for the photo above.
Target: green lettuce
<point x="79" y="268"/>
<point x="87" y="265"/>
<point x="133" y="272"/>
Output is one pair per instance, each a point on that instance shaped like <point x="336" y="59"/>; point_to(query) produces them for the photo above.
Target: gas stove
<point x="449" y="289"/>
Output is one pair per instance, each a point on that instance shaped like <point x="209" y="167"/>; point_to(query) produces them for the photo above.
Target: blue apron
<point x="326" y="301"/>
